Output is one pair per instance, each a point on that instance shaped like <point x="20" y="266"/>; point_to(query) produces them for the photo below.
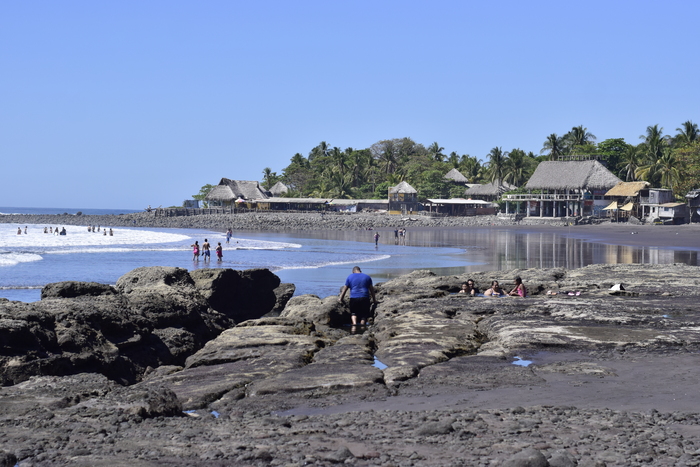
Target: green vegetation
<point x="203" y="192"/>
<point x="664" y="161"/>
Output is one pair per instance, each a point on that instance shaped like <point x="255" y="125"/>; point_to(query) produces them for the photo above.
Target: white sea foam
<point x="79" y="236"/>
<point x="336" y="263"/>
<point x="14" y="258"/>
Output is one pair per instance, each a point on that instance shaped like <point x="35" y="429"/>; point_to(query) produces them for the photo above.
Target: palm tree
<point x="554" y="145"/>
<point x="339" y="159"/>
<point x="268" y="174"/>
<point x="666" y="168"/>
<point x="435" y="151"/>
<point x="654" y="142"/>
<point x="470" y="167"/>
<point x="516" y="167"/>
<point x="688" y="133"/>
<point x="631" y="160"/>
<point x="497" y="164"/>
<point x="579" y="136"/>
<point x="453" y="160"/>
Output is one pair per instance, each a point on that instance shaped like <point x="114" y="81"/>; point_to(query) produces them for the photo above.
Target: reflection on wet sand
<point x="498" y="249"/>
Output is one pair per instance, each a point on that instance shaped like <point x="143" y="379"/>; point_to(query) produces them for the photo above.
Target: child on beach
<point x="519" y="289"/>
<point x="219" y="252"/>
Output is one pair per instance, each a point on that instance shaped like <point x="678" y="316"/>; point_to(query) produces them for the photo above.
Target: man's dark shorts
<point x="360" y="307"/>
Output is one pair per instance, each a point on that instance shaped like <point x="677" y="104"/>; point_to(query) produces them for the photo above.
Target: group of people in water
<point x="518" y="290"/>
<point x="47" y="230"/>
<point x="205" y="251"/>
<point x="91" y="228"/>
<point x="56" y="231"/>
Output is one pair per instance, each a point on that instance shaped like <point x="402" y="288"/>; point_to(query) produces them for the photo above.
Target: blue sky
<point x="129" y="103"/>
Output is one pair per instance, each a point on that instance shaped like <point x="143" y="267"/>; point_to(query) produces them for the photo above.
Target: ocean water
<point x="315" y="265"/>
<point x="94" y="212"/>
<point x="316" y="262"/>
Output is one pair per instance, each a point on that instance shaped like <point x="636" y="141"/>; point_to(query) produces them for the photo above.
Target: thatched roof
<point x="456" y="176"/>
<point x="568" y="175"/>
<point x="489" y="189"/>
<point x="627" y="189"/>
<point x="231" y="190"/>
<point x="278" y="189"/>
<point x="221" y="193"/>
<point x="402" y="187"/>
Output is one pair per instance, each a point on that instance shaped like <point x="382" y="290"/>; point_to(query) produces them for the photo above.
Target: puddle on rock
<point x="521" y="362"/>
<point x="379" y="364"/>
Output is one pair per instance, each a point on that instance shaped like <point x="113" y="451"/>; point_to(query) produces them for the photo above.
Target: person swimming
<point x="495" y="290"/>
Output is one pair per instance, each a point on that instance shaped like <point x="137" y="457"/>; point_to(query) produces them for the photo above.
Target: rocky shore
<point x="172" y="368"/>
<point x="275" y="221"/>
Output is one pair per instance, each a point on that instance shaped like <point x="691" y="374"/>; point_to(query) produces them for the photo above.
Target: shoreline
<point x="305" y="224"/>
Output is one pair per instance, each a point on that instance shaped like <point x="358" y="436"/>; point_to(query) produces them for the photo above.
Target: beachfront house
<point x="293" y="204"/>
<point x="693" y="198"/>
<point x="624" y="200"/>
<point x="659" y="205"/>
<point x="488" y="191"/>
<point x="234" y="192"/>
<point x="403" y="199"/>
<point x="461" y="207"/>
<point x="565" y="188"/>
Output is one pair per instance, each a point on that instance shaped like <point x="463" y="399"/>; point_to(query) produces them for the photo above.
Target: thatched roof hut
<point x="455" y="175"/>
<point x="489" y="190"/>
<point x="402" y="187"/>
<point x="572" y="175"/>
<point x="228" y="191"/>
<point x="279" y="189"/>
<point x="627" y="189"/>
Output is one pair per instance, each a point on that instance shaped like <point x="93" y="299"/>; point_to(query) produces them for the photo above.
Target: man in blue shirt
<point x="361" y="289"/>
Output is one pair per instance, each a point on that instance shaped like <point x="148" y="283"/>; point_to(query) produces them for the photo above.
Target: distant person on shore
<point x="229" y="234"/>
<point x="50" y="230"/>
<point x="519" y="290"/>
<point x="219" y="252"/>
<point x="63" y="231"/>
<point x="104" y="232"/>
<point x="376" y="239"/>
<point x="89" y="228"/>
<point x="46" y="230"/>
<point x="396" y="236"/>
<point x="361" y="290"/>
<point x="495" y="290"/>
<point x="195" y="251"/>
<point x="111" y="232"/>
<point x="206" y="249"/>
<point x="468" y="288"/>
<point x="19" y="230"/>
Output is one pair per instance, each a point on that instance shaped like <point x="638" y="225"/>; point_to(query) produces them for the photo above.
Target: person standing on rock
<point x="361" y="290"/>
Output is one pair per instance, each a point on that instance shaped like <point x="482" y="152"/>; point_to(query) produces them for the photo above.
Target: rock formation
<point x="304" y="388"/>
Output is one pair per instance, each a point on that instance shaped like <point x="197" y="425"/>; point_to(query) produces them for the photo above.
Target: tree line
<point x="665" y="161"/>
